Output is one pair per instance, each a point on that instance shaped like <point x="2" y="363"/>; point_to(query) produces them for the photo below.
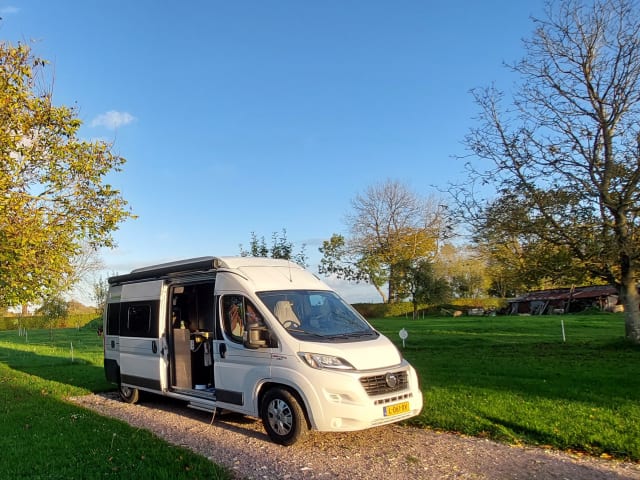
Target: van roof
<point x="265" y="274"/>
<point x="201" y="264"/>
<point x="239" y="262"/>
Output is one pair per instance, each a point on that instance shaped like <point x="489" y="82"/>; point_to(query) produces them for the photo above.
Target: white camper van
<point x="258" y="336"/>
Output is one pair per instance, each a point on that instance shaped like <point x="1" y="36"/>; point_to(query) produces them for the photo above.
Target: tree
<point x="100" y="294"/>
<point x="424" y="285"/>
<point x="280" y="247"/>
<point x="520" y="262"/>
<point x="566" y="152"/>
<point x="54" y="202"/>
<point x="464" y="269"/>
<point x="54" y="309"/>
<point x="345" y="261"/>
<point x="390" y="226"/>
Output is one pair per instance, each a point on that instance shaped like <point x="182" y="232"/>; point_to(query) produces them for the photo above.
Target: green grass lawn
<point x="514" y="379"/>
<point x="43" y="436"/>
<point x="508" y="378"/>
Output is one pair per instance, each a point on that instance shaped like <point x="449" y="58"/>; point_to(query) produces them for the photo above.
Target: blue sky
<point x="254" y="116"/>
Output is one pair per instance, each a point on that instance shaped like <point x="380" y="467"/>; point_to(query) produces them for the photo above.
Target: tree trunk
<point x="631" y="312"/>
<point x="379" y="290"/>
<point x="390" y="286"/>
<point x="631" y="300"/>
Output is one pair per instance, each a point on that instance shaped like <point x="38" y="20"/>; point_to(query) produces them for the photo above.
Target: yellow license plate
<point x="396" y="409"/>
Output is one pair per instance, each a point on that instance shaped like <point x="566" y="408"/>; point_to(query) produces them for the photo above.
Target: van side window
<point x="139" y="319"/>
<point x="237" y="313"/>
<point x="113" y="319"/>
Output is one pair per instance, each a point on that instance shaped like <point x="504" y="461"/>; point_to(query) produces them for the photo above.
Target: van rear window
<point x="134" y="319"/>
<point x="113" y="319"/>
<point x="139" y="319"/>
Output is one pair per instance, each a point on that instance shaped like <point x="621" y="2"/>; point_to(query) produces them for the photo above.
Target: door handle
<point x="154" y="347"/>
<point x="223" y="350"/>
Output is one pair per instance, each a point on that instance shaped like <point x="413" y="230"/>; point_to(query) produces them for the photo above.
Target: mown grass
<point x="508" y="378"/>
<point x="514" y="379"/>
<point x="44" y="436"/>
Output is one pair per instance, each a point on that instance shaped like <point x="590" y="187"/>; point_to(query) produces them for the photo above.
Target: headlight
<point x="317" y="360"/>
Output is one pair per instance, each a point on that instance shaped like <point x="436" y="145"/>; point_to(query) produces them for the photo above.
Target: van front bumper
<point x="359" y="400"/>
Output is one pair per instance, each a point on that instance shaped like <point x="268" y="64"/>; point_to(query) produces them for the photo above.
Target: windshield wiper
<point x="360" y="334"/>
<point x="305" y="332"/>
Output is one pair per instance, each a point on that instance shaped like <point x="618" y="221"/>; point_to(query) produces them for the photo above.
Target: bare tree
<point x="390" y="226"/>
<point x="566" y="153"/>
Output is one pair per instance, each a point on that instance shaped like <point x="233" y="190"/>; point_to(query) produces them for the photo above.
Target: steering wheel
<point x="290" y="324"/>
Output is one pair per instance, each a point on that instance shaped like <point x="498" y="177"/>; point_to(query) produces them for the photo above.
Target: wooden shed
<point x="565" y="300"/>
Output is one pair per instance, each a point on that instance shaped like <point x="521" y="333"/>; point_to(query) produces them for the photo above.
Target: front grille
<point x="378" y="384"/>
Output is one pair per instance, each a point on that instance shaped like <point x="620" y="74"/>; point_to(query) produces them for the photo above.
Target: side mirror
<point x="256" y="336"/>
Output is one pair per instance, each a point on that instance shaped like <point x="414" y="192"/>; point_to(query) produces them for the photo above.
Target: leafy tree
<point x="424" y="285"/>
<point x="467" y="284"/>
<point x="54" y="202"/>
<point x="280" y="247"/>
<point x="346" y="261"/>
<point x="390" y="226"/>
<point x="566" y="152"/>
<point x="54" y="309"/>
<point x="465" y="270"/>
<point x="100" y="294"/>
<point x="520" y="262"/>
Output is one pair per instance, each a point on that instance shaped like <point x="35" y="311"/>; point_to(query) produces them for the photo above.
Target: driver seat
<point x="284" y="312"/>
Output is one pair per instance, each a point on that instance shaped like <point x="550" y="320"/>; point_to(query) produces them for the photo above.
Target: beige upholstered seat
<point x="284" y="312"/>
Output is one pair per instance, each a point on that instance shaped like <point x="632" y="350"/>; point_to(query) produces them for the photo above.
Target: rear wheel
<point x="283" y="417"/>
<point x="129" y="394"/>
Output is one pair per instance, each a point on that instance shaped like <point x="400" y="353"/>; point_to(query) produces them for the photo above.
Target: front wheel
<point x="129" y="394"/>
<point x="283" y="417"/>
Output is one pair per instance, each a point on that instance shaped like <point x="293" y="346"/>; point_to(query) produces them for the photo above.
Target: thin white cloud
<point x="9" y="10"/>
<point x="112" y="120"/>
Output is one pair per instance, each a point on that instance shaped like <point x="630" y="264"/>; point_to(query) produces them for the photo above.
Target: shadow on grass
<point x="601" y="374"/>
<point x="541" y="437"/>
<point x="79" y="372"/>
<point x="42" y="436"/>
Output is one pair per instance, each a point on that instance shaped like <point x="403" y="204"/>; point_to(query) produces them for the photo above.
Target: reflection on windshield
<point x="318" y="314"/>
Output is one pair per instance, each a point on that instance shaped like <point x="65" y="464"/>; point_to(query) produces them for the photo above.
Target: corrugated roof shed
<point x="593" y="291"/>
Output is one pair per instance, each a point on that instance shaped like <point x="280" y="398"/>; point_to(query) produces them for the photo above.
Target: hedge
<point x="38" y="322"/>
<point x="402" y="309"/>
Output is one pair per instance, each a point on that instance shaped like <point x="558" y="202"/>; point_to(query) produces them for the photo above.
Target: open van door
<point x="143" y="347"/>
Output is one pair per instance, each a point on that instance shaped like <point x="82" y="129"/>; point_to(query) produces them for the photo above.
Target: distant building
<point x="565" y="300"/>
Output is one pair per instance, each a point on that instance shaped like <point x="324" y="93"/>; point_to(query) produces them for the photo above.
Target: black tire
<point x="283" y="417"/>
<point x="129" y="394"/>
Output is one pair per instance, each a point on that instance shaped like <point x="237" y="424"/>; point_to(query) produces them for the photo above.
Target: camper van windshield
<point x="316" y="314"/>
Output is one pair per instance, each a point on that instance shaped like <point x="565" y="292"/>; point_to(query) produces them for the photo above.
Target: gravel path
<point x="389" y="452"/>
